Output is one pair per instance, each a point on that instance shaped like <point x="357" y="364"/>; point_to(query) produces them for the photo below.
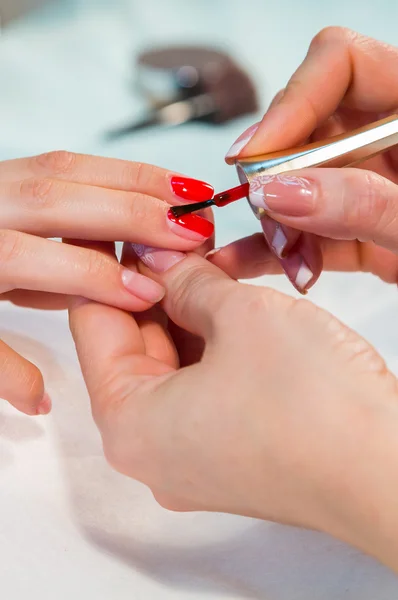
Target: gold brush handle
<point x="344" y="150"/>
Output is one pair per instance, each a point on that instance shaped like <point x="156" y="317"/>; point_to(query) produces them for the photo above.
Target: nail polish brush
<point x="346" y="150"/>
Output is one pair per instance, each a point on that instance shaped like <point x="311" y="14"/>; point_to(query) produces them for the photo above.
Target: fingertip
<point x="45" y="406"/>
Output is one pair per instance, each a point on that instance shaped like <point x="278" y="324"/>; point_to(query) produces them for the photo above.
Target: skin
<point x="343" y="83"/>
<point x="77" y="197"/>
<point x="275" y="441"/>
<point x="304" y="432"/>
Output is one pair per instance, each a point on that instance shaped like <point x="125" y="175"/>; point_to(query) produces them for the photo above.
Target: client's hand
<point x="82" y="197"/>
<point x="288" y="415"/>
<point x="345" y="81"/>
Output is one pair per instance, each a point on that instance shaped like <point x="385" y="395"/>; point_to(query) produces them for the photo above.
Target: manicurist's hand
<point x="280" y="412"/>
<point x="346" y="81"/>
<point x="82" y="197"/>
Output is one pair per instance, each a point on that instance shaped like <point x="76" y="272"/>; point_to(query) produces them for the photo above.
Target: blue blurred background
<point x="66" y="73"/>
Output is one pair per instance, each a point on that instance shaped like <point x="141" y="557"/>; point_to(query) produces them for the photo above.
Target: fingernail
<point x="303" y="277"/>
<point x="212" y="253"/>
<point x="45" y="405"/>
<point x="158" y="259"/>
<point x="279" y="241"/>
<point x="280" y="238"/>
<point x="242" y="141"/>
<point x="191" y="227"/>
<point x="298" y="271"/>
<point x="287" y="195"/>
<point x="191" y="189"/>
<point x="142" y="286"/>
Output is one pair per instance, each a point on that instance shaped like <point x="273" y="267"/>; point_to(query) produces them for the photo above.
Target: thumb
<point x="195" y="289"/>
<point x="343" y="204"/>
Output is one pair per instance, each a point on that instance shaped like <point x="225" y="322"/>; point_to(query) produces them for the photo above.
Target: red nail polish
<point x="191" y="189"/>
<point x="193" y="223"/>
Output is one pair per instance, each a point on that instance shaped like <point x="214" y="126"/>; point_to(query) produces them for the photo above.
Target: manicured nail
<point x="191" y="189"/>
<point x="298" y="271"/>
<point x="142" y="286"/>
<point x="158" y="259"/>
<point x="191" y="227"/>
<point x="212" y="253"/>
<point x="280" y="238"/>
<point x="303" y="277"/>
<point x="287" y="195"/>
<point x="242" y="141"/>
<point x="45" y="405"/>
<point x="279" y="241"/>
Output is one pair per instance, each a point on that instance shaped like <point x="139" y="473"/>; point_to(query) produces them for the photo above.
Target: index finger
<point x="341" y="66"/>
<point x="110" y="173"/>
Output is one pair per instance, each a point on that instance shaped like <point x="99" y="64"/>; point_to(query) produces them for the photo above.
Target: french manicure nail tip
<point x="242" y="141"/>
<point x="279" y="241"/>
<point x="237" y="147"/>
<point x="257" y="198"/>
<point x="304" y="276"/>
<point x="212" y="253"/>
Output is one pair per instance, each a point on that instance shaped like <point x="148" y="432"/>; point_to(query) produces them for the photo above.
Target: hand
<point x="345" y="82"/>
<point x="288" y="415"/>
<point x="81" y="197"/>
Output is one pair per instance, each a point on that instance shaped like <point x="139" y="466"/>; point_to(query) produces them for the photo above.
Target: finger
<point x="250" y="257"/>
<point x="110" y="173"/>
<point x="246" y="258"/>
<point x="195" y="289"/>
<point x="38" y="300"/>
<point x="21" y="383"/>
<point x="112" y="355"/>
<point x="189" y="347"/>
<point x="304" y="263"/>
<point x="159" y="344"/>
<point x="52" y="208"/>
<point x="340" y="65"/>
<point x="342" y="204"/>
<point x="153" y="323"/>
<point x="28" y="262"/>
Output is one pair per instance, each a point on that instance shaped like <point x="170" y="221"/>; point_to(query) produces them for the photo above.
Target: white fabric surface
<point x="69" y="526"/>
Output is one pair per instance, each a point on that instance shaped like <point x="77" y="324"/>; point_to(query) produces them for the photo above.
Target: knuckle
<point x="140" y="208"/>
<point x="40" y="192"/>
<point x="140" y="175"/>
<point x="58" y="162"/>
<point x="370" y="210"/>
<point x="191" y="285"/>
<point x="11" y="245"/>
<point x="331" y="34"/>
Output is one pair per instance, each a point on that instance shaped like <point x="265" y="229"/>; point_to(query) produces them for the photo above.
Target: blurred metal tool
<point x="186" y="83"/>
<point x="13" y="9"/>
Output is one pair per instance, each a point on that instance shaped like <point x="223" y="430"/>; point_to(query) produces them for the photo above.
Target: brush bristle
<point x="179" y="211"/>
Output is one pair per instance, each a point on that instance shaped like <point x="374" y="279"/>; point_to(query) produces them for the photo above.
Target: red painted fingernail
<point x="191" y="189"/>
<point x="192" y="227"/>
